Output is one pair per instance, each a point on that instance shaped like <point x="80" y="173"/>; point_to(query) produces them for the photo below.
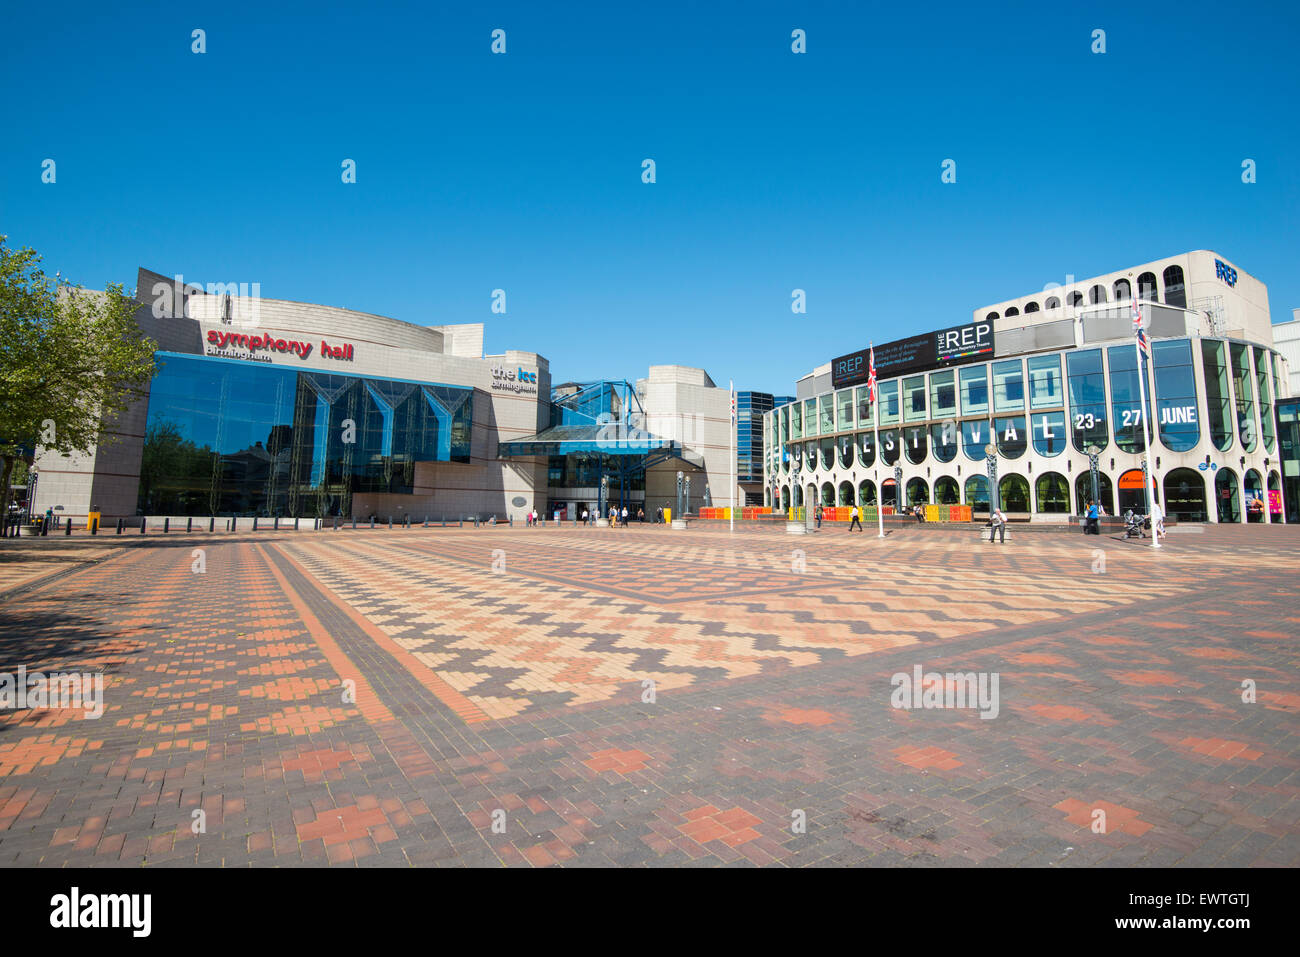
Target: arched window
<point x="1175" y="292"/>
<point x="1053" y="493"/>
<point x="846" y="451"/>
<point x="828" y="454"/>
<point x="914" y="441"/>
<point x="1097" y="294"/>
<point x="977" y="493"/>
<point x="1133" y="492"/>
<point x="1013" y="493"/>
<point x="866" y="449"/>
<point x="918" y="492"/>
<point x="1227" y="493"/>
<point x="1083" y="492"/>
<point x="1275" y="492"/>
<point x="828" y="493"/>
<point x="943" y="440"/>
<point x="1012" y="436"/>
<point x="1052" y="303"/>
<point x="1031" y="307"/>
<point x="1076" y="299"/>
<point x="867" y="492"/>
<point x="946" y="491"/>
<point x="1185" y="495"/>
<point x="889" y="446"/>
<point x="1049" y="432"/>
<point x="1123" y="291"/>
<point x="975" y="435"/>
<point x="1254" y="497"/>
<point x="846" y="493"/>
<point x="991" y="317"/>
<point x="1012" y="311"/>
<point x="1147" y="291"/>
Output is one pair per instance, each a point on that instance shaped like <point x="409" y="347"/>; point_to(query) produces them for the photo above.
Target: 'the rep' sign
<point x="1225" y="272"/>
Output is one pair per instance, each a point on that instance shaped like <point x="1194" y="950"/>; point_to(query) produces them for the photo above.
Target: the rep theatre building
<point x="1043" y="384"/>
<point x="264" y="407"/>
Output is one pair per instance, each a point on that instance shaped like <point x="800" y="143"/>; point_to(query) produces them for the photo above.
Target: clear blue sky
<point x="775" y="171"/>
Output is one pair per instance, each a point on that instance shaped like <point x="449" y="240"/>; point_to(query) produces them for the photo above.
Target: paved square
<point x="640" y="696"/>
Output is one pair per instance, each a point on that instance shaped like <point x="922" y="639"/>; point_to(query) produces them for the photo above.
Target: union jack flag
<point x="1139" y="329"/>
<point x="871" y="376"/>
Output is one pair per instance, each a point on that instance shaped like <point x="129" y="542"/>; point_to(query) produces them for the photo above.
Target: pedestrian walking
<point x="1158" y="518"/>
<point x="818" y="515"/>
<point x="1093" y="524"/>
<point x="998" y="526"/>
<point x="584" y="517"/>
<point x="625" y="516"/>
<point x="855" y="524"/>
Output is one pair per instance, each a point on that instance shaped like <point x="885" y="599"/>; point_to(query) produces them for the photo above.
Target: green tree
<point x="70" y="358"/>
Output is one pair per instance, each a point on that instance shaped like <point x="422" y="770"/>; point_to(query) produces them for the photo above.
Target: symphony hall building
<point x="265" y="407"/>
<point x="1043" y="379"/>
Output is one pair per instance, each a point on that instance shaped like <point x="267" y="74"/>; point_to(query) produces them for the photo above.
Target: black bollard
<point x="212" y="523"/>
<point x="295" y="523"/>
<point x="275" y="527"/>
<point x="167" y="524"/>
<point x="254" y="523"/>
<point x="142" y="521"/>
<point x="119" y="525"/>
<point x="189" y="524"/>
<point x="390" y="523"/>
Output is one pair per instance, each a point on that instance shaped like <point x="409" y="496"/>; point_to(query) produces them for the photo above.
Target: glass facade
<point x="1218" y="401"/>
<point x="1125" y="398"/>
<point x="1050" y="405"/>
<point x="225" y="437"/>
<point x="1176" y="406"/>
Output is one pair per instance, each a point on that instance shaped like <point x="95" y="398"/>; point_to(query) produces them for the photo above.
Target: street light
<point x="1094" y="454"/>
<point x="991" y="456"/>
<point x="898" y="488"/>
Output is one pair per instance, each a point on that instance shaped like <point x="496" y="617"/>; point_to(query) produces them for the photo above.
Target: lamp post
<point x="991" y="456"/>
<point x="898" y="488"/>
<point x="1094" y="455"/>
<point x="677" y="514"/>
<point x="687" y="509"/>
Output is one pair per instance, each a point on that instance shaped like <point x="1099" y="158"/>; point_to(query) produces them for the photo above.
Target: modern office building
<point x="751" y="407"/>
<point x="1026" y="389"/>
<point x="263" y="407"/>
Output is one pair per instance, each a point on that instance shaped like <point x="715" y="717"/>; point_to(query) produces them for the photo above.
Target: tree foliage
<point x="70" y="359"/>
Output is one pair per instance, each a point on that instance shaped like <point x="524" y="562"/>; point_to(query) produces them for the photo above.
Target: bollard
<point x="390" y="523"/>
<point x="189" y="525"/>
<point x="254" y="523"/>
<point x="119" y="525"/>
<point x="67" y="528"/>
<point x="295" y="524"/>
<point x="94" y="526"/>
<point x="167" y="524"/>
<point x="212" y="523"/>
<point x="275" y="527"/>
<point x="142" y="521"/>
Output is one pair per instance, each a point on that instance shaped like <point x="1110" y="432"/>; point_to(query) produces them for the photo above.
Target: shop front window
<point x="1176" y="412"/>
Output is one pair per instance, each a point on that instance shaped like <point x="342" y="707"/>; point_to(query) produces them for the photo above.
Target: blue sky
<point x="775" y="171"/>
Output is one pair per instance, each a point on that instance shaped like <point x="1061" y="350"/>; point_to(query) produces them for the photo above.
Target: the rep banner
<point x="947" y="347"/>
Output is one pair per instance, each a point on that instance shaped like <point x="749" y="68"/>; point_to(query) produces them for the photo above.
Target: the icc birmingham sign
<point x="947" y="347"/>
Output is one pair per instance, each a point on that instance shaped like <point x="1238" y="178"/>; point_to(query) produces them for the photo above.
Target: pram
<point x="1134" y="524"/>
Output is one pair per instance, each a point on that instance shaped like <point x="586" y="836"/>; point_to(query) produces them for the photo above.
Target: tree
<point x="70" y="358"/>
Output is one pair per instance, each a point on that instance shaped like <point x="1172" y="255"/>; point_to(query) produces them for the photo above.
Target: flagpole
<point x="735" y="425"/>
<point x="1146" y="432"/>
<point x="880" y="511"/>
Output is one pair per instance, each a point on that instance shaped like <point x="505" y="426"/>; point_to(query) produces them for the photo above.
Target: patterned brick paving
<point x="646" y="697"/>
